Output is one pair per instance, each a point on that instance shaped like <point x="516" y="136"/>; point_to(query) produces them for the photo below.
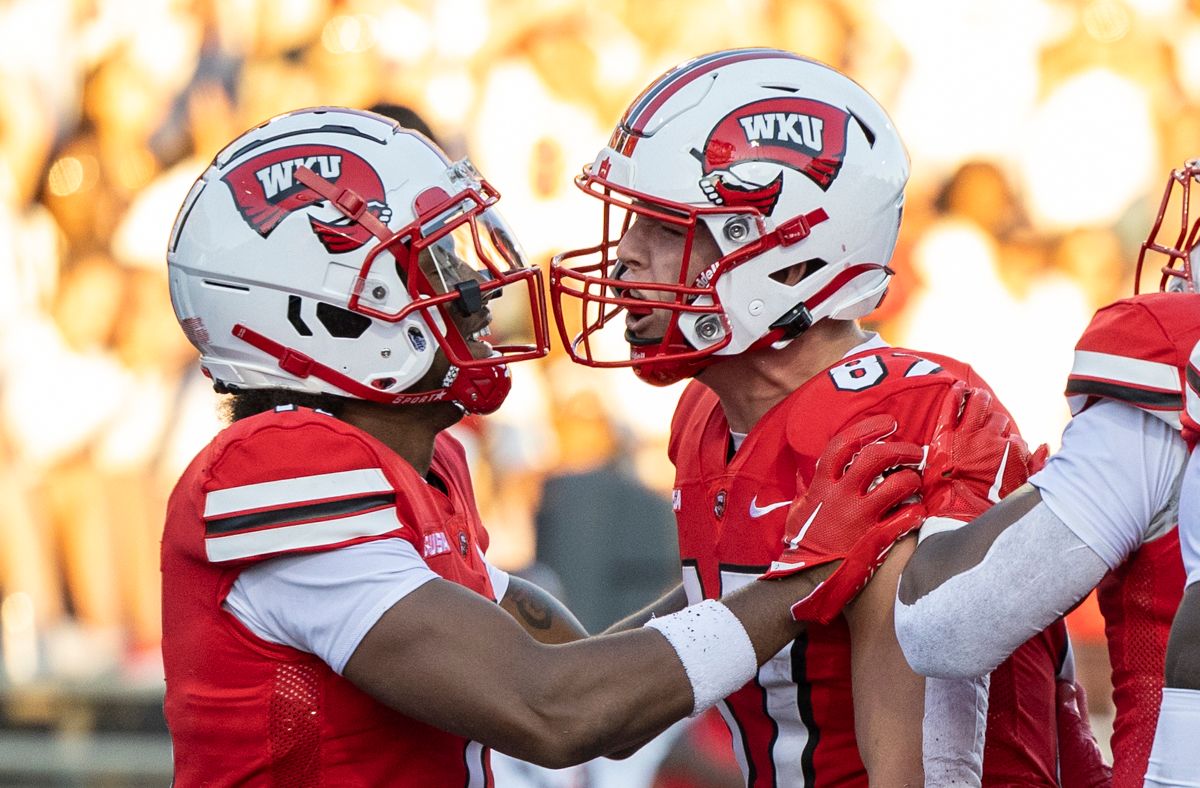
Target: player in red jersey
<point x="1101" y="514"/>
<point x="329" y="615"/>
<point x="761" y="196"/>
<point x="1174" y="757"/>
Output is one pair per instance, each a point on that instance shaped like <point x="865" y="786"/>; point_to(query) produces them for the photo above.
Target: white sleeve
<point x="324" y="603"/>
<point x="1033" y="573"/>
<point x="1189" y="519"/>
<point x="1113" y="482"/>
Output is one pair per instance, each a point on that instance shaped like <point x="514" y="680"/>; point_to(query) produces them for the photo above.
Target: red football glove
<point x="853" y="512"/>
<point x="1080" y="764"/>
<point x="976" y="456"/>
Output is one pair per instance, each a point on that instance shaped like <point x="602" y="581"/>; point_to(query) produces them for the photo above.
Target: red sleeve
<point x="296" y="482"/>
<point x="1134" y="351"/>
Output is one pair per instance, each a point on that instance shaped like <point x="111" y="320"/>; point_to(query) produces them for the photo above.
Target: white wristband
<point x="713" y="646"/>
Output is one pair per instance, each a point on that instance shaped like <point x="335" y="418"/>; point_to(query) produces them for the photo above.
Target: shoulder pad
<point x="1134" y="351"/>
<point x="295" y="481"/>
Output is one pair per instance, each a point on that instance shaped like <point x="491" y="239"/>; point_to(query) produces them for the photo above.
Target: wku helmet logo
<point x="801" y="134"/>
<point x="266" y="190"/>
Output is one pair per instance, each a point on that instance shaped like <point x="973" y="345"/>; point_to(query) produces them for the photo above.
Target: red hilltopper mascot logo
<point x="801" y="134"/>
<point x="266" y="190"/>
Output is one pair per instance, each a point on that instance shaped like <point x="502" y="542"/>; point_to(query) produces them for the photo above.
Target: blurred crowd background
<point x="1041" y="133"/>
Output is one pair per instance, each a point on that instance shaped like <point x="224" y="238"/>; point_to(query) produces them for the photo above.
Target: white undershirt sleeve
<point x="1114" y="480"/>
<point x="324" y="603"/>
<point x="1189" y="519"/>
<point x="1033" y="573"/>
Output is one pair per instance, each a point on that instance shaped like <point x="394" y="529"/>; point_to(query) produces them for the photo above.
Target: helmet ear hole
<point x="797" y="271"/>
<point x="342" y="323"/>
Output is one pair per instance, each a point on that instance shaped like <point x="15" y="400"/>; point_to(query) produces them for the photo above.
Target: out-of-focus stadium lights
<point x="460" y="27"/>
<point x="985" y="56"/>
<point x="620" y="61"/>
<point x="402" y="35"/>
<point x="71" y="174"/>
<point x="448" y="97"/>
<point x="165" y="47"/>
<point x="1187" y="51"/>
<point x="19" y="637"/>
<point x="348" y="33"/>
<point x="1107" y="21"/>
<point x="1089" y="151"/>
<point x="1156" y="9"/>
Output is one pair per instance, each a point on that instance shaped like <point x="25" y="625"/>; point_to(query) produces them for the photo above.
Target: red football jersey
<point x="794" y="724"/>
<point x="1136" y="351"/>
<point x="243" y="711"/>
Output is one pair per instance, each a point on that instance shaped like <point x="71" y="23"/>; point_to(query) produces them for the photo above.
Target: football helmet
<point x="1181" y="269"/>
<point x="333" y="251"/>
<point x="783" y="160"/>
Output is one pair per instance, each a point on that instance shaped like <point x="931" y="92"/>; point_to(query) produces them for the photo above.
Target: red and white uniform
<point x="1134" y="352"/>
<point x="794" y="724"/>
<point x="243" y="710"/>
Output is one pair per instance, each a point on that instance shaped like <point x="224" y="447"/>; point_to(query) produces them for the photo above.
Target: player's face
<point x="445" y="269"/>
<point x="652" y="250"/>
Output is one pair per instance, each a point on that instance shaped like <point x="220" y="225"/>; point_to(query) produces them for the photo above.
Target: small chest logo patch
<point x="463" y="542"/>
<point x="719" y="504"/>
<point x="436" y="544"/>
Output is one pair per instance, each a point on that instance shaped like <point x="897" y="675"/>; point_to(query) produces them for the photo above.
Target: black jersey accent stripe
<point x="764" y="697"/>
<point x="1193" y="378"/>
<point x="1146" y="398"/>
<point x="298" y="514"/>
<point x="804" y="708"/>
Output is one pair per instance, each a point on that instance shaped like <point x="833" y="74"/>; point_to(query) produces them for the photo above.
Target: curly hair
<point x="243" y="403"/>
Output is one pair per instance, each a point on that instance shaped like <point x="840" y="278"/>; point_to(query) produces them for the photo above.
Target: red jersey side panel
<point x="243" y="711"/>
<point x="794" y="725"/>
<point x="1136" y="351"/>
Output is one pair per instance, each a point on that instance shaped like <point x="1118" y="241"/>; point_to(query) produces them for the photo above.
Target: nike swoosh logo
<point x="804" y="528"/>
<point x="994" y="492"/>
<point x="756" y="511"/>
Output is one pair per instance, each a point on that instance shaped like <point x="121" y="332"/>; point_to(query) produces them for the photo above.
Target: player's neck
<point x="750" y="384"/>
<point x="408" y="430"/>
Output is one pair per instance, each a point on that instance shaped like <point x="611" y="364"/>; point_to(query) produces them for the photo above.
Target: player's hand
<point x="976" y="456"/>
<point x="857" y="507"/>
<point x="1080" y="763"/>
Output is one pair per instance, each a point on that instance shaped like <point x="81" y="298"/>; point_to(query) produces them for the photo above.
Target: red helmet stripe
<point x="639" y="115"/>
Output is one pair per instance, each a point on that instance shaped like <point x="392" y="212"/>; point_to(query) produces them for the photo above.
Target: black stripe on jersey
<point x="1193" y="378"/>
<point x="742" y="569"/>
<point x="751" y="770"/>
<point x="804" y="707"/>
<point x="295" y="514"/>
<point x="1146" y="398"/>
<point x="762" y="693"/>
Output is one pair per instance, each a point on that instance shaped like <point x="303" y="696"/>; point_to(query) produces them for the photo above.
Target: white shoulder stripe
<point x="298" y="490"/>
<point x="1123" y="369"/>
<point x="295" y="537"/>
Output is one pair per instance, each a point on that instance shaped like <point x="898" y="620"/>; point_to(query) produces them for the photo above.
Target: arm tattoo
<point x="534" y="611"/>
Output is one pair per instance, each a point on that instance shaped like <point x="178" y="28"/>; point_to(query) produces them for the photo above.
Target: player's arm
<point x="1034" y="555"/>
<point x="448" y="657"/>
<point x="671" y="602"/>
<point x="889" y="698"/>
<point x="539" y="613"/>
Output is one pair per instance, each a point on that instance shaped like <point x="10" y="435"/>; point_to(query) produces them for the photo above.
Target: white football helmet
<point x="333" y="251"/>
<point x="784" y="160"/>
<point x="1181" y="270"/>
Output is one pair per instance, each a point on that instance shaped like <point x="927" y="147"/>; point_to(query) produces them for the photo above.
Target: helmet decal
<point x="802" y="134"/>
<point x="266" y="190"/>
